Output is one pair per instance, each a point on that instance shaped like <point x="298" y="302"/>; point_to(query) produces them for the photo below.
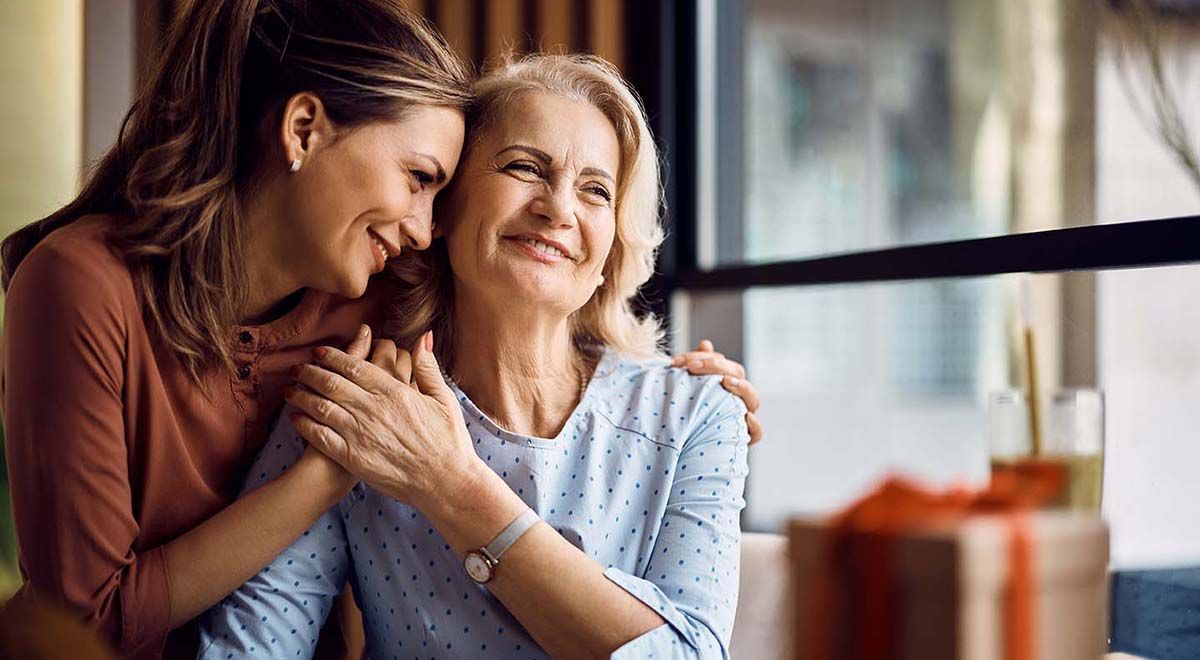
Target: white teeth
<point x="544" y="248"/>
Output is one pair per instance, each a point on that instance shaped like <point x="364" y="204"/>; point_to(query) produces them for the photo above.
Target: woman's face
<point x="533" y="215"/>
<point x="362" y="198"/>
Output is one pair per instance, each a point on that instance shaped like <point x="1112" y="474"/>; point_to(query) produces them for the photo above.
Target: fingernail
<point x="733" y="381"/>
<point x="429" y="340"/>
<point x="319" y="352"/>
<point x="677" y="360"/>
<point x="362" y="331"/>
<point x="695" y="364"/>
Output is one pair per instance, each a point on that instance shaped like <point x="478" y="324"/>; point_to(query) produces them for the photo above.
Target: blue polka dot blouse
<point x="646" y="477"/>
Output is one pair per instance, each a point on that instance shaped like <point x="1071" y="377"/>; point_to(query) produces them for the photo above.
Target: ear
<point x="304" y="127"/>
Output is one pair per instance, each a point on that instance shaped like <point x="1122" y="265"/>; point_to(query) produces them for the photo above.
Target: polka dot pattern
<point x="646" y="477"/>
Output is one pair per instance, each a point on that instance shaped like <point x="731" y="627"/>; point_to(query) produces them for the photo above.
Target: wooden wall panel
<point x="555" y="30"/>
<point x="607" y="30"/>
<point x="504" y="28"/>
<point x="456" y="19"/>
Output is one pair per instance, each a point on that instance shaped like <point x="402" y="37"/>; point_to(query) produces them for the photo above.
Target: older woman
<point x="587" y="505"/>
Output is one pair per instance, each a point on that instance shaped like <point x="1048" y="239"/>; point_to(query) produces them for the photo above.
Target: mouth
<point x="379" y="251"/>
<point x="542" y="248"/>
<point x="388" y="249"/>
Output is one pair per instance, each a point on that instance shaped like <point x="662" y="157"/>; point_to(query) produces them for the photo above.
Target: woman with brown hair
<point x="281" y="153"/>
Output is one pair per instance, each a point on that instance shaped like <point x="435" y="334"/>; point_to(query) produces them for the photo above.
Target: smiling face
<point x="360" y="199"/>
<point x="533" y="217"/>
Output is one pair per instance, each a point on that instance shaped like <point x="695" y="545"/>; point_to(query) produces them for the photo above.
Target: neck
<point x="271" y="289"/>
<point x="522" y="369"/>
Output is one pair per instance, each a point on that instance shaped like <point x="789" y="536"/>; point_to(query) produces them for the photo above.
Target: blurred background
<point x="797" y="129"/>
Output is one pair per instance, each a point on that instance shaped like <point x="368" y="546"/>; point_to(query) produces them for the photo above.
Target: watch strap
<point x="509" y="536"/>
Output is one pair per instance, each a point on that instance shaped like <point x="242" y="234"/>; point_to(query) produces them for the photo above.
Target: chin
<point x="353" y="286"/>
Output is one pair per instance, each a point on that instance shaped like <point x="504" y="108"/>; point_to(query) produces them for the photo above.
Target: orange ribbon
<point x="859" y="553"/>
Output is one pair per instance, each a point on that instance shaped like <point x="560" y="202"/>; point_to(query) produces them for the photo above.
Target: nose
<point x="415" y="229"/>
<point x="556" y="204"/>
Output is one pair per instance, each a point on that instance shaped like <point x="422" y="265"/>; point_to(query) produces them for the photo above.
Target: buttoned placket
<point x="245" y="382"/>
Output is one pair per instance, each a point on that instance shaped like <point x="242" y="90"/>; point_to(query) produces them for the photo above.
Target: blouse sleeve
<point x="66" y="317"/>
<point x="692" y="579"/>
<point x="279" y="612"/>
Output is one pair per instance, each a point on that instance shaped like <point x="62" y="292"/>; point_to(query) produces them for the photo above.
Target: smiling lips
<point x="541" y="250"/>
<point x="381" y="250"/>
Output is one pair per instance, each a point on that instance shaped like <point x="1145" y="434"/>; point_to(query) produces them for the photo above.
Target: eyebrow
<point x="545" y="158"/>
<point x="441" y="171"/>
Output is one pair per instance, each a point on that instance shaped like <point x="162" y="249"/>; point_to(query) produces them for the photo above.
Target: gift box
<point x="908" y="574"/>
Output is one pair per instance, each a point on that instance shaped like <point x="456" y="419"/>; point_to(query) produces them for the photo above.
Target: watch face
<point x="477" y="566"/>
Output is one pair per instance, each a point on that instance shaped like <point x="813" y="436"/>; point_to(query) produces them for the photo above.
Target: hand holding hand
<point x="408" y="440"/>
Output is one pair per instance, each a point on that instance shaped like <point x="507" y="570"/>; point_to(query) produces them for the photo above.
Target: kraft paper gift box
<point x="978" y="583"/>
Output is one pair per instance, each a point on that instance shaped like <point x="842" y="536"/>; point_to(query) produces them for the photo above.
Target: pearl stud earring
<point x="296" y="165"/>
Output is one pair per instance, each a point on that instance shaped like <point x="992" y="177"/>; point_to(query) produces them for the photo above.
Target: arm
<point x="65" y="344"/>
<point x="692" y="578"/>
<point x="413" y="446"/>
<point x="279" y="612"/>
<point x="575" y="608"/>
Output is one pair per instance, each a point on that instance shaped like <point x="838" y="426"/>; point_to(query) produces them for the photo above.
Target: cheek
<point x="600" y="237"/>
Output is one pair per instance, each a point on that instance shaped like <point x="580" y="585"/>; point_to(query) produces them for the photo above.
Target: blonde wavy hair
<point x="424" y="297"/>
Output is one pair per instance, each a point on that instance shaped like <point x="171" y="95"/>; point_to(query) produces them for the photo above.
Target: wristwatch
<point x="481" y="564"/>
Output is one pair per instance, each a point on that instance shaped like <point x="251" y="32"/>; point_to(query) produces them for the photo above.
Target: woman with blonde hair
<point x="567" y="493"/>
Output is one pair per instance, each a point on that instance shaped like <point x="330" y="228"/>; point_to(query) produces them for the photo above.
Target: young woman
<point x="282" y="152"/>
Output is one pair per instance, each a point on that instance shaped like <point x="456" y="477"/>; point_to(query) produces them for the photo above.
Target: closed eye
<point x="423" y="178"/>
<point x="524" y="166"/>
<point x="599" y="191"/>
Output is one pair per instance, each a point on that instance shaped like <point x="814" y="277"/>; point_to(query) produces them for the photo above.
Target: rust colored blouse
<point x="112" y="450"/>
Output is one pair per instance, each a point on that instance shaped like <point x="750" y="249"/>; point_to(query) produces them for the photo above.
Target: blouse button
<point x="243" y="371"/>
<point x="245" y="337"/>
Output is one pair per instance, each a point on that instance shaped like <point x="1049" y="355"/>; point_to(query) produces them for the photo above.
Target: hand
<point x="408" y="440"/>
<point x="706" y="361"/>
<point x="320" y="462"/>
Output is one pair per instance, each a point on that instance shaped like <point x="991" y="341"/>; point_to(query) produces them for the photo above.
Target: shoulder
<point x="653" y="395"/>
<point x="74" y="266"/>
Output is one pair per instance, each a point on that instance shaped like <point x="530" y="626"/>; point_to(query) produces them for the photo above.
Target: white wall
<point x="1148" y="325"/>
<point x="41" y="139"/>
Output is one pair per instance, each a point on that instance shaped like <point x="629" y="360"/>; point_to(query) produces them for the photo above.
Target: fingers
<point x="403" y="367"/>
<point x="323" y="438"/>
<point x="719" y="365"/>
<point x="321" y="410"/>
<point x="743" y="389"/>
<point x="703" y="349"/>
<point x="427" y="375"/>
<point x="358" y="371"/>
<point x="383" y="354"/>
<point x="324" y="382"/>
<point x="358" y="346"/>
<point x="683" y="359"/>
<point x="754" y="427"/>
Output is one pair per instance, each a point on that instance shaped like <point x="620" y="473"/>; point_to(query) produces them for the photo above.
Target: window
<point x="855" y="190"/>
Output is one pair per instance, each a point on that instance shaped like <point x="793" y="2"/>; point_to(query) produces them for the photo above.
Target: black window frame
<point x="664" y="32"/>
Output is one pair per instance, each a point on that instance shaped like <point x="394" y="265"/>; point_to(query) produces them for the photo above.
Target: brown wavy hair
<point x="193" y="141"/>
